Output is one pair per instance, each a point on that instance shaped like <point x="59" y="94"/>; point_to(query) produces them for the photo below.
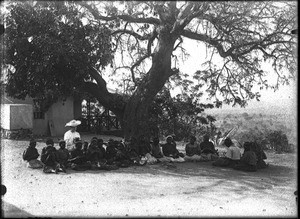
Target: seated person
<point x="232" y="156"/>
<point x="77" y="158"/>
<point x="93" y="153"/>
<point x="156" y="148"/>
<point x="192" y="148"/>
<point x="85" y="147"/>
<point x="31" y="154"/>
<point x="111" y="151"/>
<point x="122" y="158"/>
<point x="248" y="160"/>
<point x="207" y="147"/>
<point x="169" y="150"/>
<point x="63" y="154"/>
<point x="133" y="150"/>
<point x="49" y="158"/>
<point x="261" y="156"/>
<point x="100" y="144"/>
<point x="144" y="146"/>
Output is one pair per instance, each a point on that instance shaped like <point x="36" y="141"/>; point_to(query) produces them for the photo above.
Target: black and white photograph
<point x="183" y="109"/>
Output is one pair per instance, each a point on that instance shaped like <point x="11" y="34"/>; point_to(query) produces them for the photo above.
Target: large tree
<point x="63" y="46"/>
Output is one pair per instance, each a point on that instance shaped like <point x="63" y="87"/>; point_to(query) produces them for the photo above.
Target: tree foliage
<point x="52" y="49"/>
<point x="59" y="47"/>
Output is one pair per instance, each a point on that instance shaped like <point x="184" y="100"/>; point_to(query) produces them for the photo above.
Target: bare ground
<point x="188" y="190"/>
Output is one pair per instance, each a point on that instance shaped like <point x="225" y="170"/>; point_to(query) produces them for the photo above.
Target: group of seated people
<point x="114" y="154"/>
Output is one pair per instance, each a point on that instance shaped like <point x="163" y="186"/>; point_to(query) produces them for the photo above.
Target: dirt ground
<point x="186" y="190"/>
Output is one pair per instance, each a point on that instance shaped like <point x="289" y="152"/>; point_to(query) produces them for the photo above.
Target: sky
<point x="285" y="98"/>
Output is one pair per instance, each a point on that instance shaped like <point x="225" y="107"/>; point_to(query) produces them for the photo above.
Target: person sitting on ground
<point x="77" y="159"/>
<point x="100" y="144"/>
<point x="49" y="158"/>
<point x="169" y="150"/>
<point x="207" y="147"/>
<point x="63" y="154"/>
<point x="31" y="156"/>
<point x="111" y="151"/>
<point x="85" y="148"/>
<point x="232" y="156"/>
<point x="261" y="156"/>
<point x="248" y="160"/>
<point x="94" y="153"/>
<point x="122" y="158"/>
<point x="133" y="151"/>
<point x="145" y="147"/>
<point x="156" y="151"/>
<point x="156" y="148"/>
<point x="192" y="148"/>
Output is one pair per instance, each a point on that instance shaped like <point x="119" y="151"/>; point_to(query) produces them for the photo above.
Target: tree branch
<point x="127" y="18"/>
<point x="136" y="35"/>
<point x="205" y="38"/>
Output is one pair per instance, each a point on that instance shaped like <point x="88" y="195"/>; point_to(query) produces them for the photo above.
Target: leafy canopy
<point x="52" y="44"/>
<point x="51" y="48"/>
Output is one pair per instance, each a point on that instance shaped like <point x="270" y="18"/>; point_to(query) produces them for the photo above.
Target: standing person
<point x="70" y="135"/>
<point x="31" y="154"/>
<point x="232" y="156"/>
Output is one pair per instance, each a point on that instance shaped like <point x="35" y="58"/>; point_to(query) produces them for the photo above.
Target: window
<point x="37" y="109"/>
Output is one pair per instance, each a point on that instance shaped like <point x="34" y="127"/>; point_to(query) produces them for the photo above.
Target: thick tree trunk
<point x="136" y="114"/>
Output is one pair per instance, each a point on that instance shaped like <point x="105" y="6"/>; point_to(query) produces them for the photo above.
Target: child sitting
<point x="49" y="158"/>
<point x="31" y="154"/>
<point x="192" y="148"/>
<point x="156" y="148"/>
<point x="169" y="150"/>
<point x="85" y="148"/>
<point x="111" y="151"/>
<point x="248" y="160"/>
<point x="207" y="147"/>
<point x="63" y="154"/>
<point x="100" y="144"/>
<point x="77" y="159"/>
<point x="93" y="153"/>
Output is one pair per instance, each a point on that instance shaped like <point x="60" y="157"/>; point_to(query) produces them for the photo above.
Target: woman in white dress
<point x="72" y="134"/>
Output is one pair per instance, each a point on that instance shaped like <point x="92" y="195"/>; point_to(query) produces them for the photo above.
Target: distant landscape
<point x="257" y="120"/>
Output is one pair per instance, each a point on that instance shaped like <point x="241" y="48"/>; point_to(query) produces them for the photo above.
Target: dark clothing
<point x="261" y="156"/>
<point x="49" y="156"/>
<point x="77" y="157"/>
<point x="156" y="151"/>
<point x="192" y="149"/>
<point x="30" y="154"/>
<point x="207" y="147"/>
<point x="225" y="162"/>
<point x="245" y="167"/>
<point x="94" y="153"/>
<point x="111" y="152"/>
<point x="144" y="148"/>
<point x="63" y="156"/>
<point x="247" y="162"/>
<point x="170" y="150"/>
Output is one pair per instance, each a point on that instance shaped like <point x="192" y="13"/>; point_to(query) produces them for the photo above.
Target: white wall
<point x="16" y="116"/>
